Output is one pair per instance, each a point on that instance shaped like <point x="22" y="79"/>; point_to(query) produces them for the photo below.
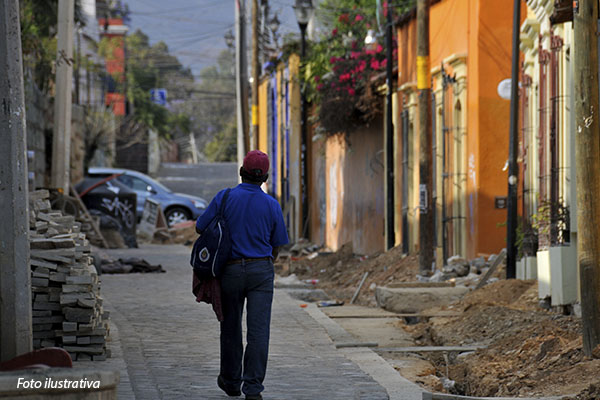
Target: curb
<point x="397" y="387"/>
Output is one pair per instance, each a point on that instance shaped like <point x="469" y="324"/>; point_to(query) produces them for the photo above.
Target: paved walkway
<point x="168" y="347"/>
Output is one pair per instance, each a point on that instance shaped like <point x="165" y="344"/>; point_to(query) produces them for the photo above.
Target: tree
<point x="149" y="67"/>
<point x="38" y="38"/>
<point x="211" y="105"/>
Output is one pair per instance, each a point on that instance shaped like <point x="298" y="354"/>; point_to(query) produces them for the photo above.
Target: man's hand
<point x="275" y="252"/>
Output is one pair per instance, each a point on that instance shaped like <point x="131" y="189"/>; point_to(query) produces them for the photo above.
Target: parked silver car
<point x="177" y="207"/>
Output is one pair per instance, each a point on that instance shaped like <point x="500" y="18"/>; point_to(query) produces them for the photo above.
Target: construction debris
<point x="66" y="301"/>
<point x="129" y="265"/>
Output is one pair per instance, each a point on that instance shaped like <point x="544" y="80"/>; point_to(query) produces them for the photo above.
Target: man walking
<point x="257" y="229"/>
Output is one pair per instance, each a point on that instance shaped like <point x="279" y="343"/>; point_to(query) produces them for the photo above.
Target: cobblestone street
<point x="169" y="343"/>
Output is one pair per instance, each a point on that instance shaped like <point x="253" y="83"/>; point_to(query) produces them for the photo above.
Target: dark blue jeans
<point x="251" y="282"/>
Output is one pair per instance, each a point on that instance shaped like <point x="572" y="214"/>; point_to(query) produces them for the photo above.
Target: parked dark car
<point x="178" y="207"/>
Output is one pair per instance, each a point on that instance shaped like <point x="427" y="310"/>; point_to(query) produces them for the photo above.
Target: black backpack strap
<point x="222" y="206"/>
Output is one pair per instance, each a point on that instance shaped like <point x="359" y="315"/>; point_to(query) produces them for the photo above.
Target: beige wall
<point x="353" y="183"/>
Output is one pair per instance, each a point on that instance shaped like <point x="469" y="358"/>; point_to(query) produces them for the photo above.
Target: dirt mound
<point x="531" y="351"/>
<point x="545" y="358"/>
<point x="501" y="292"/>
<point x="340" y="273"/>
<point x="592" y="392"/>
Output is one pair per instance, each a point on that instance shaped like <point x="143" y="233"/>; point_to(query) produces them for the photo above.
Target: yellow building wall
<point x="263" y="123"/>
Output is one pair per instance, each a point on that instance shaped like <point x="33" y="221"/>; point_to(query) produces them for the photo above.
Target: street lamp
<point x="274" y="27"/>
<point x="229" y="39"/>
<point x="304" y="11"/>
<point x="371" y="39"/>
<point x="274" y="24"/>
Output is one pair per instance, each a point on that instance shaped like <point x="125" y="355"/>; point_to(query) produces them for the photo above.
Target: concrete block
<point x="83" y="315"/>
<point x="41" y="273"/>
<point x="69" y="326"/>
<point x="58" y="277"/>
<point x="76" y="288"/>
<point x="69" y="339"/>
<point x="44" y="335"/>
<point x="41" y="297"/>
<point x="521" y="269"/>
<point x="85" y="349"/>
<point x="83" y="340"/>
<point x="543" y="273"/>
<point x="86" y="303"/>
<point x="47" y="320"/>
<point x="39" y="282"/>
<point x="563" y="269"/>
<point x="46" y="306"/>
<point x="42" y="327"/>
<point x="42" y="263"/>
<point x="530" y="267"/>
<point x="97" y="339"/>
<point x="41" y="313"/>
<point x="48" y="343"/>
<point x="413" y="300"/>
<point x="80" y="280"/>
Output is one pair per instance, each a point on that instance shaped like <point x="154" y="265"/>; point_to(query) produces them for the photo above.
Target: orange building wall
<point x="115" y="66"/>
<point x="493" y="46"/>
<point x="448" y="28"/>
<point x="482" y="30"/>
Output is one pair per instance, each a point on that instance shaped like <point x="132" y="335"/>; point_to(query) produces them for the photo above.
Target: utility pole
<point x="389" y="132"/>
<point x="15" y="281"/>
<point x="78" y="67"/>
<point x="426" y="221"/>
<point x="255" y="70"/>
<point x="241" y="80"/>
<point x="513" y="150"/>
<point x="587" y="154"/>
<point x="61" y="141"/>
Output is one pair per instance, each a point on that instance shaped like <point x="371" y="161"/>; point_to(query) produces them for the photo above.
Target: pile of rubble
<point x="461" y="271"/>
<point x="67" y="306"/>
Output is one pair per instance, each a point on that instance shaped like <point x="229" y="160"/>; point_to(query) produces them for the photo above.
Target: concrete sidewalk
<point x="167" y="345"/>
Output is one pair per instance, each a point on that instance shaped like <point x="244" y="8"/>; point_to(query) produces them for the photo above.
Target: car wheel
<point x="176" y="215"/>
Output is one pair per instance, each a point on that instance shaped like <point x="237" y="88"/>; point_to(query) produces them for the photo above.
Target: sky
<point x="194" y="29"/>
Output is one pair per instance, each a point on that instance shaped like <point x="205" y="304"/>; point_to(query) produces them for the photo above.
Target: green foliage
<point x="340" y="66"/>
<point x="211" y="103"/>
<point x="224" y="145"/>
<point x="551" y="229"/>
<point x="148" y="67"/>
<point x="38" y="38"/>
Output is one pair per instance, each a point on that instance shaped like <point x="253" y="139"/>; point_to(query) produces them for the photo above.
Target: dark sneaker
<point x="230" y="392"/>
<point x="254" y="397"/>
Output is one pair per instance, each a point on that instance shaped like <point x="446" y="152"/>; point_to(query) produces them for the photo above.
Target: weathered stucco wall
<point x="353" y="184"/>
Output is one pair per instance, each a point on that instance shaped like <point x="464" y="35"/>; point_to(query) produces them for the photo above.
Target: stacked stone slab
<point x="67" y="306"/>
